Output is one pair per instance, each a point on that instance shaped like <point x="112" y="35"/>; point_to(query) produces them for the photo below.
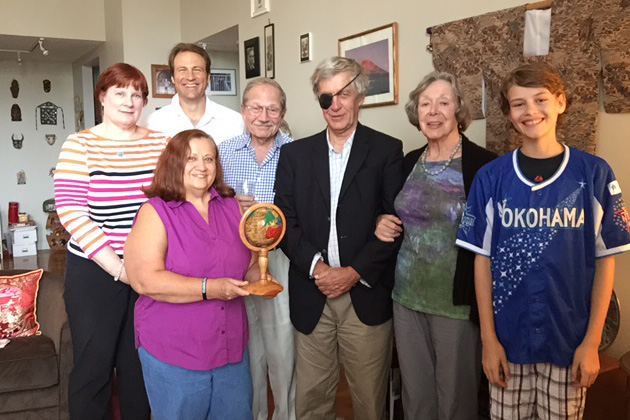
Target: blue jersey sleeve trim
<point x="472" y="248"/>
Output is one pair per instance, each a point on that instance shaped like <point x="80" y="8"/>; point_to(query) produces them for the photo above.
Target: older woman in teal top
<point x="437" y="344"/>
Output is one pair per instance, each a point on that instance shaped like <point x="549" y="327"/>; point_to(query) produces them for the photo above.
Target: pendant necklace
<point x="423" y="160"/>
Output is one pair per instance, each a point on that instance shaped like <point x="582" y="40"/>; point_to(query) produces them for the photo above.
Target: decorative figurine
<point x="15" y="88"/>
<point x="16" y="113"/>
<point x="17" y="142"/>
<point x="50" y="138"/>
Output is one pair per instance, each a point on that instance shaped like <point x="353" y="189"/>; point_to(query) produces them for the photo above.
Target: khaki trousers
<point x="365" y="353"/>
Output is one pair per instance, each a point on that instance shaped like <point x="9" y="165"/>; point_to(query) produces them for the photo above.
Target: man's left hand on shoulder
<point x="336" y="281"/>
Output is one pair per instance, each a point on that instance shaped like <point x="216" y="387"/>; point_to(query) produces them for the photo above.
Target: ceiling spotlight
<point x="203" y="45"/>
<point x="41" y="46"/>
<point x="19" y="58"/>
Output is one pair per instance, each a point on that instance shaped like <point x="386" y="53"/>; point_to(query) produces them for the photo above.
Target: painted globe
<point x="263" y="227"/>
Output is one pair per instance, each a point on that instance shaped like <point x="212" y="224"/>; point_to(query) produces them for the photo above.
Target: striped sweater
<point x="97" y="187"/>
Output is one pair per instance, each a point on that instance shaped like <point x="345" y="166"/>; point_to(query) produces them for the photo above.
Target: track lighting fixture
<point x="41" y="46"/>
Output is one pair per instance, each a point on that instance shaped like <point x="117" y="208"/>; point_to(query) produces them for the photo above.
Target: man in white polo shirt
<point x="191" y="108"/>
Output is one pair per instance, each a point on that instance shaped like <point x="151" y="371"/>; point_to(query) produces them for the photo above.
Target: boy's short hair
<point x="536" y="74"/>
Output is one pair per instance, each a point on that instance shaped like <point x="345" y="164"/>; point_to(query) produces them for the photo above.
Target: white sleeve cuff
<point x="316" y="259"/>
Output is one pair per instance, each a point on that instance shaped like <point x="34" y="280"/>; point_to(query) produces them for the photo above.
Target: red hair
<point x="121" y="75"/>
<point x="168" y="181"/>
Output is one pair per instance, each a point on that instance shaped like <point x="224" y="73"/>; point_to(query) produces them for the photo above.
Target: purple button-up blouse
<point x="206" y="334"/>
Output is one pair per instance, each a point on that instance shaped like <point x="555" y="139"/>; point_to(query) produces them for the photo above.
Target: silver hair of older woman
<point x="333" y="66"/>
<point x="463" y="115"/>
<point x="266" y="81"/>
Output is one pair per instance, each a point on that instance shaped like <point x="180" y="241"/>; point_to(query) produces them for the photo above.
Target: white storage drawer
<point x="25" y="235"/>
<point x="21" y="250"/>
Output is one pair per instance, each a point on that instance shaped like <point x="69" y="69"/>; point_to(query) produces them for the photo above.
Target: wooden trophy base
<point x="264" y="288"/>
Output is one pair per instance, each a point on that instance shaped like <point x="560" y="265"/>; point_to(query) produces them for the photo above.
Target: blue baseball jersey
<point x="543" y="240"/>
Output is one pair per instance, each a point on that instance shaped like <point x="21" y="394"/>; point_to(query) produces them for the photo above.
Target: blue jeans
<point x="176" y="393"/>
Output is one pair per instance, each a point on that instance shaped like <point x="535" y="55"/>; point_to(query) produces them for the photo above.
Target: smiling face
<point x="200" y="169"/>
<point x="436" y="111"/>
<point x="534" y="111"/>
<point x="122" y="106"/>
<point x="343" y="115"/>
<point x="189" y="75"/>
<point x="260" y="100"/>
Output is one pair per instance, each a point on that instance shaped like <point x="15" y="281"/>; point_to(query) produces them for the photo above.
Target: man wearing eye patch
<point x="251" y="159"/>
<point x="331" y="187"/>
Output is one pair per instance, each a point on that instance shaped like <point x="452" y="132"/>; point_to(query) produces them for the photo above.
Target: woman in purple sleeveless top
<point x="186" y="260"/>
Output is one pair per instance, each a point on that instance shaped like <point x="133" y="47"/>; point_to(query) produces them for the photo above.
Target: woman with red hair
<point x="98" y="183"/>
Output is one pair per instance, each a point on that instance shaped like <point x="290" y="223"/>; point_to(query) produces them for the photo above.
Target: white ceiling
<point x="226" y="40"/>
<point x="60" y="50"/>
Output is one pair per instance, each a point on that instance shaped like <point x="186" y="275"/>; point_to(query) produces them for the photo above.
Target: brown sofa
<point x="34" y="371"/>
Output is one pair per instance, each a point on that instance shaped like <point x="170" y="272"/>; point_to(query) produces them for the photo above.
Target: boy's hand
<point x="585" y="365"/>
<point x="495" y="363"/>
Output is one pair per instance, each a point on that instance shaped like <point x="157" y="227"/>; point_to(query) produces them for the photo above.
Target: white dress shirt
<point x="219" y="122"/>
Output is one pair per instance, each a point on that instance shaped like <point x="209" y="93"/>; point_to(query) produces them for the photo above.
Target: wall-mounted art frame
<point x="306" y="47"/>
<point x="377" y="51"/>
<point x="259" y="7"/>
<point x="270" y="52"/>
<point x="161" y="83"/>
<point x="222" y="82"/>
<point x="251" y="50"/>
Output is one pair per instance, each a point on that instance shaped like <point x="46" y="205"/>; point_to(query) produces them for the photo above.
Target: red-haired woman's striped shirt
<point x="97" y="187"/>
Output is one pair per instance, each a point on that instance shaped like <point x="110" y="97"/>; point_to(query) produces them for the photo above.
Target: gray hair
<point x="463" y="114"/>
<point x="266" y="81"/>
<point x="331" y="67"/>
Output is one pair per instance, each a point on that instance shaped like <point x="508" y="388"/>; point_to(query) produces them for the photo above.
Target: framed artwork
<point x="252" y="57"/>
<point x="306" y="47"/>
<point x="377" y="51"/>
<point x="270" y="53"/>
<point x="222" y="82"/>
<point x="259" y="7"/>
<point x="161" y="82"/>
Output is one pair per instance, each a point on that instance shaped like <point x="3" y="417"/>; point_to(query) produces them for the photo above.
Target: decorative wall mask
<point x="17" y="141"/>
<point x="48" y="114"/>
<point x="16" y="113"/>
<point x="15" y="88"/>
<point x="21" y="178"/>
<point x="50" y="138"/>
<point x="46" y="83"/>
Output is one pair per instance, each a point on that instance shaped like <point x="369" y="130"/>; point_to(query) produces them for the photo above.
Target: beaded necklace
<point x="423" y="159"/>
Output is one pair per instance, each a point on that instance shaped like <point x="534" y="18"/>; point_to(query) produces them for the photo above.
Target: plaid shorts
<point x="537" y="391"/>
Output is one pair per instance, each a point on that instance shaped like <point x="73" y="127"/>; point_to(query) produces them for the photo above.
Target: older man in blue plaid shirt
<point x="249" y="164"/>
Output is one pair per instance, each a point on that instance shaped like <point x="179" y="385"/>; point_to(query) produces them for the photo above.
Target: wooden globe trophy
<point x="261" y="229"/>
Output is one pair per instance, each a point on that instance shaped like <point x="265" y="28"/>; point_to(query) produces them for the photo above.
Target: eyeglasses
<point x="326" y="99"/>
<point x="257" y="110"/>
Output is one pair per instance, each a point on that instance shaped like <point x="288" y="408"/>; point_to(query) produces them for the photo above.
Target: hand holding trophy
<point x="261" y="229"/>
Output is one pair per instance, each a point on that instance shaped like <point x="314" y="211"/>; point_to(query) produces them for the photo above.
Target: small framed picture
<point x="252" y="57"/>
<point x="270" y="53"/>
<point x="377" y="51"/>
<point x="222" y="82"/>
<point x="306" y="45"/>
<point x="259" y="7"/>
<point x="161" y="81"/>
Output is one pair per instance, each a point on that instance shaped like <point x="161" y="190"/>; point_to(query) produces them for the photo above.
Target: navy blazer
<point x="370" y="184"/>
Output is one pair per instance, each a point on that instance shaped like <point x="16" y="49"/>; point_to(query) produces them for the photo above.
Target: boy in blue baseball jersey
<point x="545" y="222"/>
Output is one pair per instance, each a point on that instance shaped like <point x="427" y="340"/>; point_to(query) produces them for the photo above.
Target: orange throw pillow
<point x="18" y="297"/>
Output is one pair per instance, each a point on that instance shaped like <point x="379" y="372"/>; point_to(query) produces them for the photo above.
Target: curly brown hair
<point x="168" y="181"/>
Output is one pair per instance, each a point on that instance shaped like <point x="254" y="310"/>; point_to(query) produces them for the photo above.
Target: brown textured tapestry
<point x="587" y="37"/>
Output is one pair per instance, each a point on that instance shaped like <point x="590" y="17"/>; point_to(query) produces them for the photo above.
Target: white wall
<point x="330" y="20"/>
<point x="227" y="60"/>
<point x="36" y="157"/>
<point x="71" y="19"/>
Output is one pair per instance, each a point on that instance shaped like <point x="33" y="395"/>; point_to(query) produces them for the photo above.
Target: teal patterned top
<point x="430" y="208"/>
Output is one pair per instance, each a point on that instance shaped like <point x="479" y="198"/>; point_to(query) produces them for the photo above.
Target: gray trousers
<point x="271" y="346"/>
<point x="440" y="365"/>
